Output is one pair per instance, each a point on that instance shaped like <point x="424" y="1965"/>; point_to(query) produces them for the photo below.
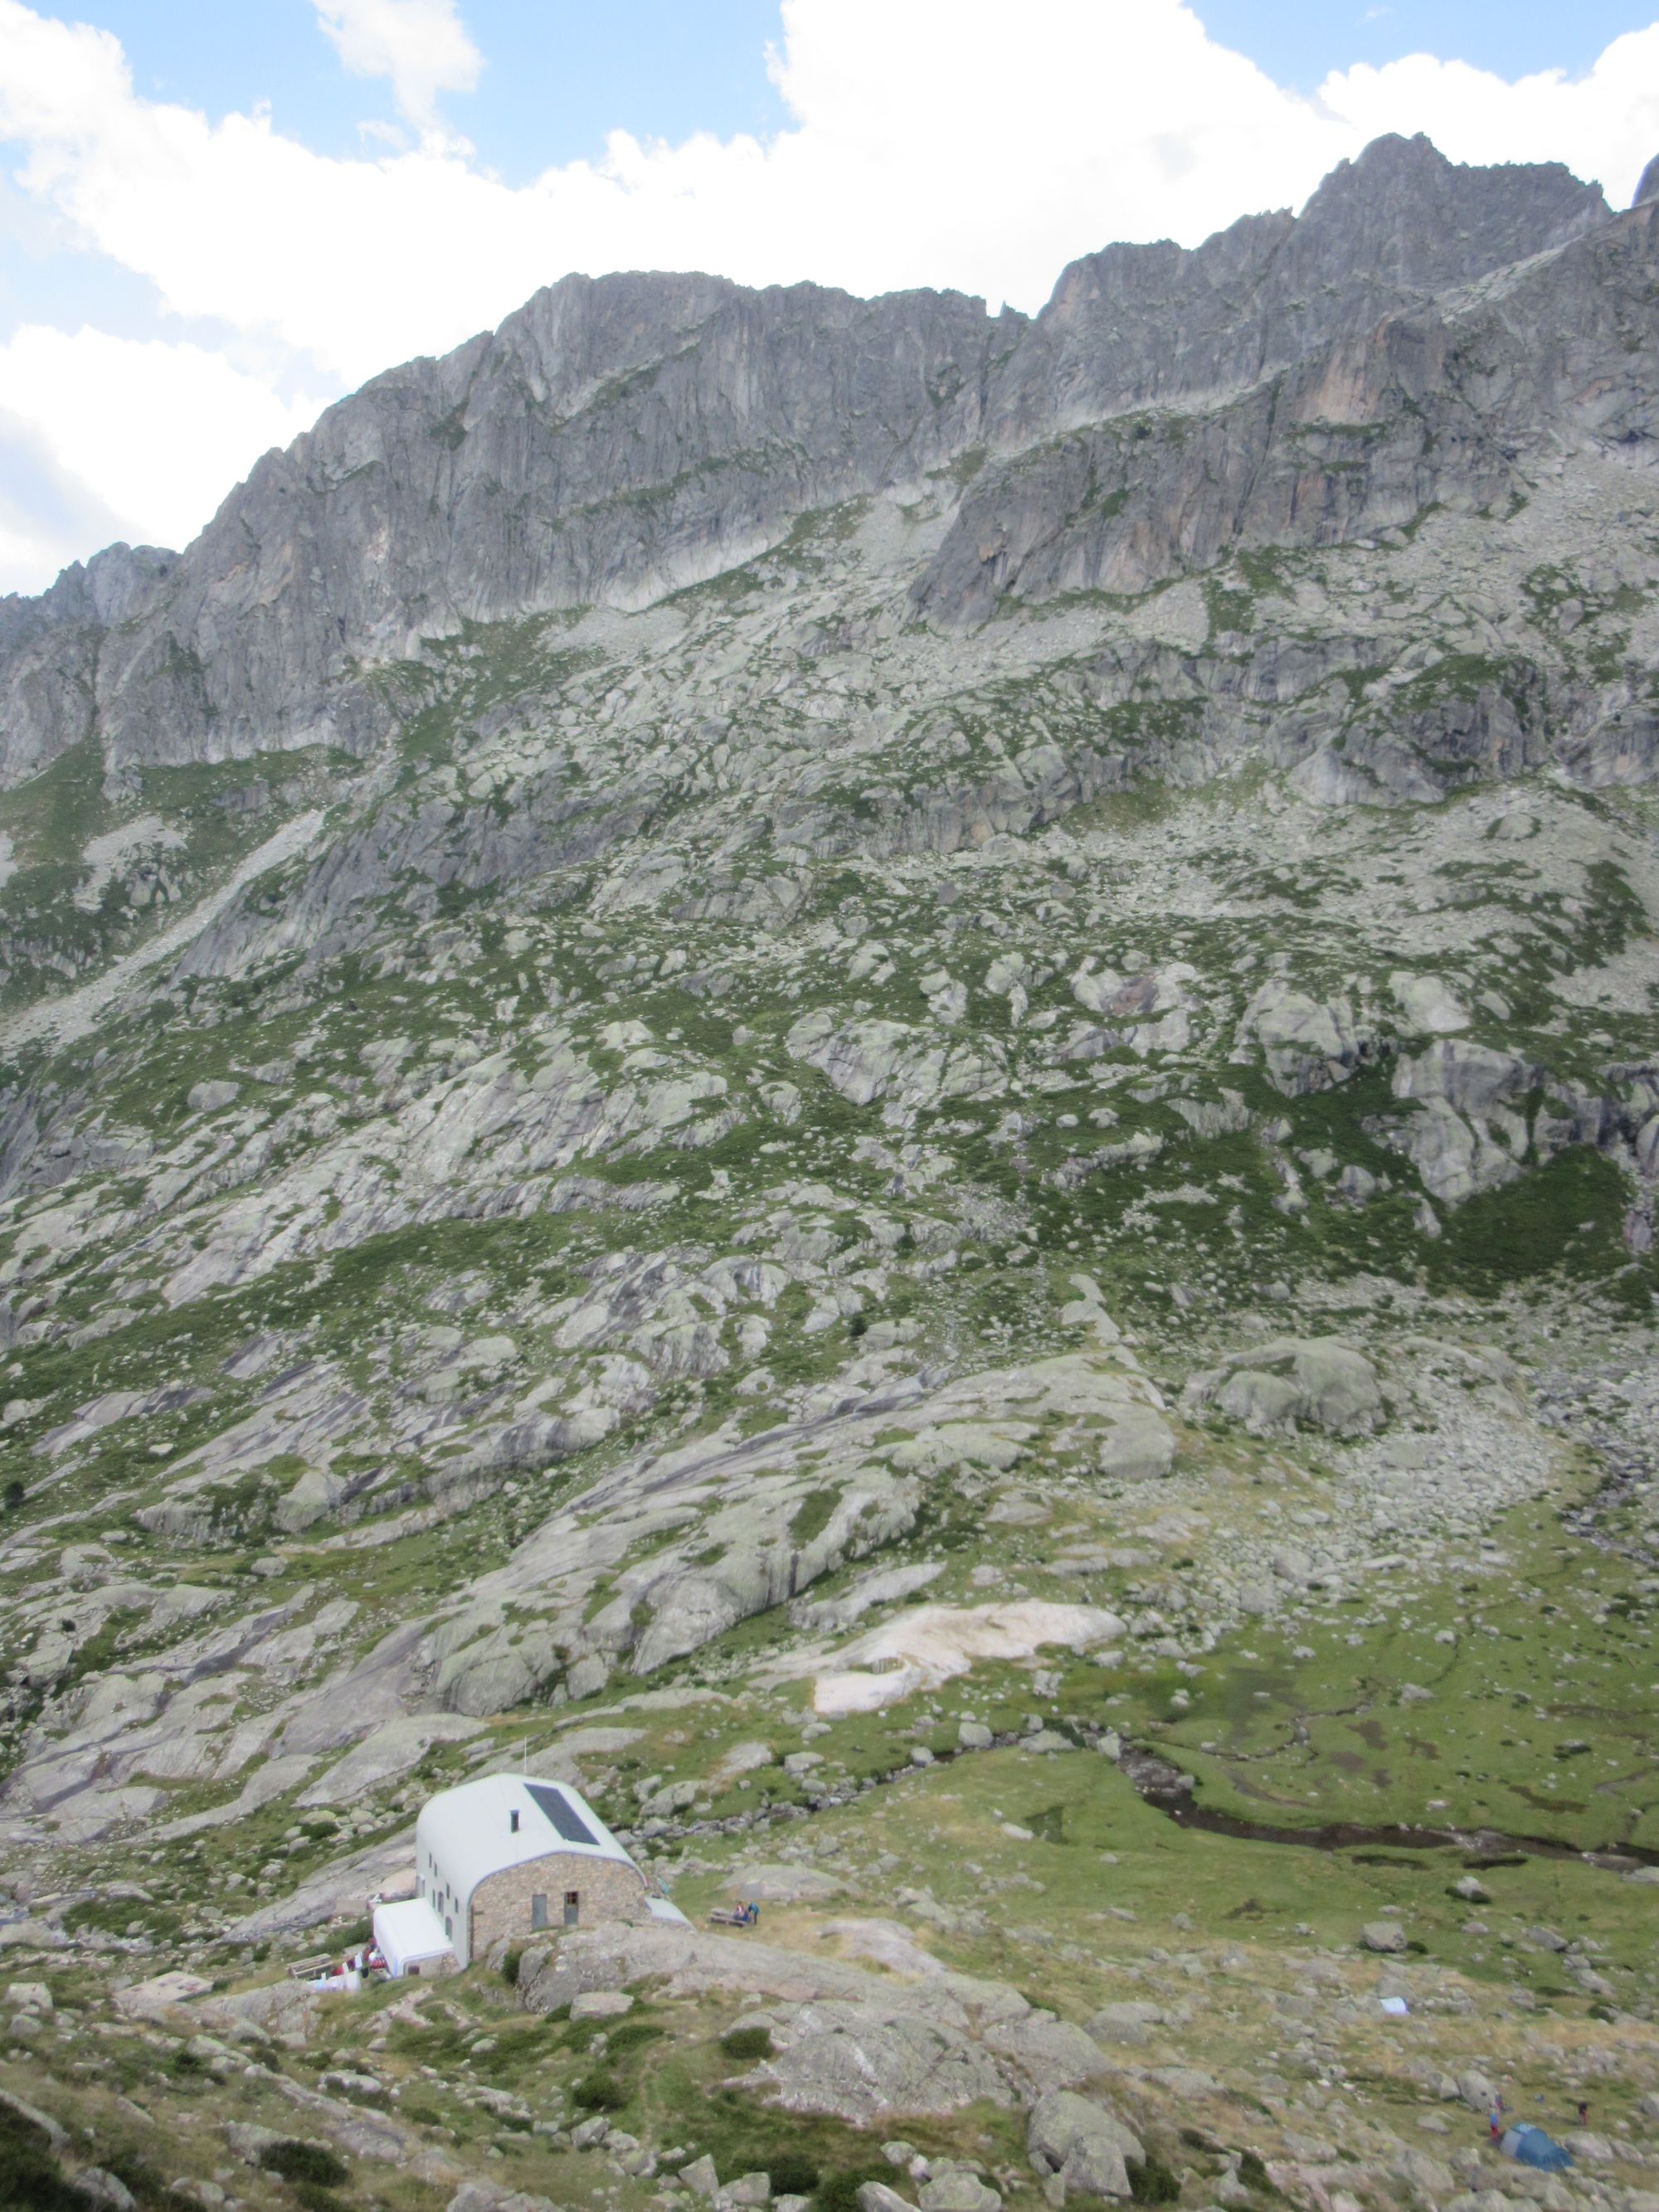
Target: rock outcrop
<point x="1274" y="1387"/>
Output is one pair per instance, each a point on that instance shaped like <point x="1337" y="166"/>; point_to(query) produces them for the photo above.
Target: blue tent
<point x="1530" y="2146"/>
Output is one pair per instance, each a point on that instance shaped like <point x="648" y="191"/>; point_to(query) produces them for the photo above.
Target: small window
<point x="538" y="1909"/>
<point x="512" y="1824"/>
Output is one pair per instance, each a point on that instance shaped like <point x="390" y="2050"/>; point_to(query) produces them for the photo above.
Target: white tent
<point x="411" y="1939"/>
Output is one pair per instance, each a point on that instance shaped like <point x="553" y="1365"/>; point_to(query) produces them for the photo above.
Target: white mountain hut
<point x="509" y="1856"/>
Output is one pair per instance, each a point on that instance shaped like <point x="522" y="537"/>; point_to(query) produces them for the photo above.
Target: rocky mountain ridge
<point x="618" y="437"/>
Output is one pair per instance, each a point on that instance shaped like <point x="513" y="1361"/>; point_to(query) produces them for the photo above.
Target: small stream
<point x="1160" y="1785"/>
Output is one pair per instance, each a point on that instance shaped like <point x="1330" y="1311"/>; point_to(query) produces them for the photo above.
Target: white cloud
<point x="1604" y="124"/>
<point x="161" y="431"/>
<point x="48" y="517"/>
<point x="926" y="147"/>
<point x="420" y="45"/>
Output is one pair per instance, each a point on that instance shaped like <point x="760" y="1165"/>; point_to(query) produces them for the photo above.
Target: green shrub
<point x="312" y="2197"/>
<point x="793" y="2174"/>
<point x="29" y="2178"/>
<point x="600" y="2091"/>
<point x="1253" y="2174"/>
<point x="510" y="1966"/>
<point x="813" y="1515"/>
<point x="632" y="2035"/>
<point x="137" y="2174"/>
<point x="295" y="2161"/>
<point x="751" y="2043"/>
<point x="839" y="2192"/>
<point x="1151" y="2181"/>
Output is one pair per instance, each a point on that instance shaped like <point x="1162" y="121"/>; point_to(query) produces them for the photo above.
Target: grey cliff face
<point x="1431" y="405"/>
<point x="1138" y="326"/>
<point x="618" y="439"/>
<point x="49" y="649"/>
<point x="614" y="441"/>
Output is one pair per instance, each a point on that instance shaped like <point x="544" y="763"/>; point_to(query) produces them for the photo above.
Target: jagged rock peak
<point x="111" y="587"/>
<point x="1427" y="222"/>
<point x="1648" y="184"/>
<point x="621" y="437"/>
<point x="1135" y="325"/>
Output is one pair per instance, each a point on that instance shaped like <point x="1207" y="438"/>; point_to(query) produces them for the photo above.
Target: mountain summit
<point x="620" y="437"/>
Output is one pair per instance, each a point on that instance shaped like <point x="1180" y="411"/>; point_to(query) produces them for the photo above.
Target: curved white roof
<point x="468" y="1832"/>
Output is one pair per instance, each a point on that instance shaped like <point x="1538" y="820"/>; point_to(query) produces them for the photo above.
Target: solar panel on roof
<point x="561" y="1812"/>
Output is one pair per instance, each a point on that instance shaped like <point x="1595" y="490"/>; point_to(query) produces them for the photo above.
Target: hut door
<point x="573" y="1907"/>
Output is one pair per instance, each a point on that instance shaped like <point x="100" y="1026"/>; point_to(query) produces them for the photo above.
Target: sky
<point x="214" y="221"/>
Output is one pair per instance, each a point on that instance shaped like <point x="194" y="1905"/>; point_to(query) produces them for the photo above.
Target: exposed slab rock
<point x="1125" y="2022"/>
<point x="1383" y="1935"/>
<point x="1309" y="1044"/>
<point x="1472" y="1078"/>
<point x="956" y="2190"/>
<point x="880" y="2196"/>
<point x="1469" y="1134"/>
<point x="1136" y="1444"/>
<point x="692" y="1961"/>
<point x="857" y="2045"/>
<point x="887" y="1943"/>
<point x="365" y="2134"/>
<point x="1427" y="1003"/>
<point x="926" y="1644"/>
<point x="56" y="2136"/>
<point x="493" y="2196"/>
<point x="287" y="2011"/>
<point x="338" y="1893"/>
<point x="882" y="1059"/>
<point x="883" y="1586"/>
<point x="773" y="1882"/>
<point x="1047" y="2054"/>
<point x="1455" y="1157"/>
<point x="152" y="1999"/>
<point x="1088" y="2147"/>
<point x="1316" y="1382"/>
<point x="862" y="2062"/>
<point x="392" y="1749"/>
